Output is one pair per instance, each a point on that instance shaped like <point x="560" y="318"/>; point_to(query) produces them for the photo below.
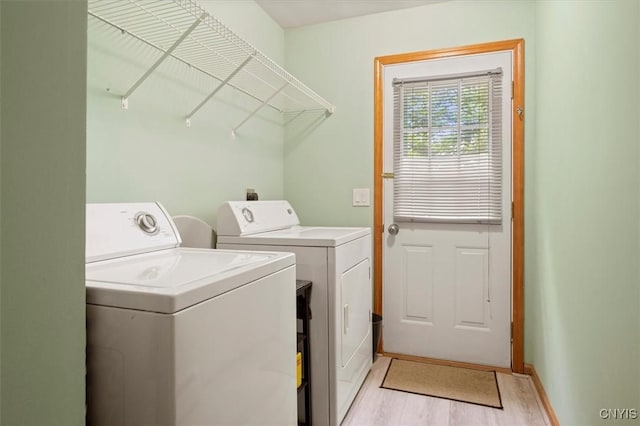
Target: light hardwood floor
<point x="376" y="406"/>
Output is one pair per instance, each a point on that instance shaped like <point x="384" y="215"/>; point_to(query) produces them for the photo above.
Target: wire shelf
<point x="183" y="30"/>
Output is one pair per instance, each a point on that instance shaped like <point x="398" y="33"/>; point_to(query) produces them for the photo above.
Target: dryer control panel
<point x="238" y="218"/>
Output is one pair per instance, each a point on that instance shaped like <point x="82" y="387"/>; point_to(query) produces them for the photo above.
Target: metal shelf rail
<point x="183" y="30"/>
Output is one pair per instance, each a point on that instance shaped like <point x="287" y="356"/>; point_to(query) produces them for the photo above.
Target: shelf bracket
<point x="165" y="55"/>
<point x="294" y="117"/>
<point x="220" y="86"/>
<point x="265" y="102"/>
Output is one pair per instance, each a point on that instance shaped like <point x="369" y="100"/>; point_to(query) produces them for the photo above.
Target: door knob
<point x="393" y="229"/>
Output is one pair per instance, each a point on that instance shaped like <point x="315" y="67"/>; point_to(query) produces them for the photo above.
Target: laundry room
<point x="151" y="127"/>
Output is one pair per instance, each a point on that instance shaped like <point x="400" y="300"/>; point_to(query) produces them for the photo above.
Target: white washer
<point x="184" y="336"/>
<point x="338" y="262"/>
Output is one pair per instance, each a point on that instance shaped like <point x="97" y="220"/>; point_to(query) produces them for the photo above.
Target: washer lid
<point x="310" y="236"/>
<point x="170" y="280"/>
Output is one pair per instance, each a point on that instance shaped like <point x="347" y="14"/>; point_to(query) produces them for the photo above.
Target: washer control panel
<point x="123" y="229"/>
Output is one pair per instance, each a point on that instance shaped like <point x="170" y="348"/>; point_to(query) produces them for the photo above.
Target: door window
<point x="448" y="148"/>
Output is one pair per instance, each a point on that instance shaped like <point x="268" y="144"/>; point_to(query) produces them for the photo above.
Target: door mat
<point x="442" y="381"/>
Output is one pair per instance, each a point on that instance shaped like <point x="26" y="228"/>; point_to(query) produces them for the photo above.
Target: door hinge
<point x="512" y="210"/>
<point x="388" y="175"/>
<point x="513" y="88"/>
<point x="512" y="331"/>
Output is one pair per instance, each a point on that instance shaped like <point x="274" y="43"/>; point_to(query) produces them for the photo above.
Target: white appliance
<point x="338" y="262"/>
<point x="184" y="336"/>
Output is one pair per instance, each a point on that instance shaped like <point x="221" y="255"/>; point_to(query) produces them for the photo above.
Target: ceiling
<point x="297" y="13"/>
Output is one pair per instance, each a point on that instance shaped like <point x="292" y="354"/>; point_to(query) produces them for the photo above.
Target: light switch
<point x="361" y="197"/>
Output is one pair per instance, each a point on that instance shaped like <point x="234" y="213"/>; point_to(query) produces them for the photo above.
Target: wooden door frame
<point x="517" y="177"/>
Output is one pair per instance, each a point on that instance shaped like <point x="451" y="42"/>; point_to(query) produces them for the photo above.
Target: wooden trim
<point x="551" y="415"/>
<point x="378" y="226"/>
<point x="448" y="363"/>
<point x="517" y="237"/>
<point x="473" y="49"/>
<point x="517" y="282"/>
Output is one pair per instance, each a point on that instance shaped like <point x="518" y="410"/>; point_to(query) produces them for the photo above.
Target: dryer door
<point x="355" y="288"/>
<point x="350" y="332"/>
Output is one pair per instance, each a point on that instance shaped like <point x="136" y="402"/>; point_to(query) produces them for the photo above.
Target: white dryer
<point x="338" y="262"/>
<point x="184" y="336"/>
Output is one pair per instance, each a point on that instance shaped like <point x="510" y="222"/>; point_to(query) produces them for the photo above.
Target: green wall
<point x="42" y="194"/>
<point x="0" y="212"/>
<point x="147" y="153"/>
<point x="583" y="303"/>
<point x="336" y="59"/>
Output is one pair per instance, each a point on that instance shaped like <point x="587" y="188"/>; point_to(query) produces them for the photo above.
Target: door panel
<point x="418" y="283"/>
<point x="471" y="286"/>
<point x="446" y="287"/>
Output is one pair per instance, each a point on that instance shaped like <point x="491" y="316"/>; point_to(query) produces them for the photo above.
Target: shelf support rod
<point x="165" y="55"/>
<point x="265" y="102"/>
<point x="220" y="86"/>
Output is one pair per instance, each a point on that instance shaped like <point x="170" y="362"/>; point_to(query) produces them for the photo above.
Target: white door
<point x="447" y="286"/>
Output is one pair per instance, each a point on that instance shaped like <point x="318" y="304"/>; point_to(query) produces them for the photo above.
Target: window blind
<point x="448" y="148"/>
